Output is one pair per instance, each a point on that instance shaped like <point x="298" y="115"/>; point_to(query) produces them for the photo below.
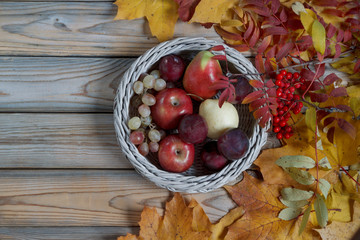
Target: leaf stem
<point x="347" y="173"/>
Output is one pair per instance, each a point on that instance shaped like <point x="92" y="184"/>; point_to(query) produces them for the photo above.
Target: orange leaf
<point x="261" y="205"/>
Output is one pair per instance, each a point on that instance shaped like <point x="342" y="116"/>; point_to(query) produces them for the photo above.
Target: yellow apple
<point x="219" y="120"/>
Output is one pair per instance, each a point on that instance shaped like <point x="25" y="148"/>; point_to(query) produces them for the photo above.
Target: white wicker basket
<point x="197" y="178"/>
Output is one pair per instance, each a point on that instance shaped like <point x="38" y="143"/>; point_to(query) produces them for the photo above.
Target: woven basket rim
<point x="177" y="182"/>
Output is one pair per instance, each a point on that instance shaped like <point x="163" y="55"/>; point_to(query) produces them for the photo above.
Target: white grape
<point x="155" y="73"/>
<point x="134" y="123"/>
<point x="148" y="99"/>
<point x="149" y="81"/>
<point x="144" y="110"/>
<point x="154" y="135"/>
<point x="138" y="87"/>
<point x="160" y="84"/>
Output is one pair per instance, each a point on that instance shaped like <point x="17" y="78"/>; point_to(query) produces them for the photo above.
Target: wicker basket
<point x="197" y="178"/>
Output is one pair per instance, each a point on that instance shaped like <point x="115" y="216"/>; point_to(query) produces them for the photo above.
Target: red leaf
<point x="256" y="104"/>
<point x="340" y="35"/>
<point x="272" y="100"/>
<point x="274" y="21"/>
<point x="337" y="51"/>
<point x="357" y="66"/>
<point x="283" y="16"/>
<point x="269" y="84"/>
<point x="330" y="134"/>
<point x="347" y="35"/>
<point x="256" y="83"/>
<point x="294" y="24"/>
<point x="330" y="79"/>
<point x="266" y="118"/>
<point x="271" y="92"/>
<point x="264" y="44"/>
<point x="275" y="5"/>
<point x="223" y="97"/>
<point x="320" y="71"/>
<point x="333" y="12"/>
<point x="316" y="85"/>
<point x="325" y="3"/>
<point x="258" y="3"/>
<point x="318" y="97"/>
<point x="218" y="48"/>
<point x="253" y="96"/>
<point x="328" y="121"/>
<point x="353" y="11"/>
<point x="261" y="112"/>
<point x="271" y="52"/>
<point x="275" y="31"/>
<point x="347" y="127"/>
<point x="240" y="47"/>
<point x="321" y="114"/>
<point x="338" y="92"/>
<point x="268" y="66"/>
<point x="284" y="50"/>
<point x="219" y="85"/>
<point x="249" y="29"/>
<point x="186" y="9"/>
<point x="331" y="31"/>
<point x="228" y="35"/>
<point x="219" y="57"/>
<point x="255" y="37"/>
<point x="259" y="64"/>
<point x="307" y="74"/>
<point x="261" y="10"/>
<point x="352" y="21"/>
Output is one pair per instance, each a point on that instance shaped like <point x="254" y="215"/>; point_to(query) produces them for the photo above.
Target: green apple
<point x="219" y="120"/>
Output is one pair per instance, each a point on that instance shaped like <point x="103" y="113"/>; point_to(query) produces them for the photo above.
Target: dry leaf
<point x="212" y="11"/>
<point x="220" y="229"/>
<point x="161" y="14"/>
<point x="339" y="230"/>
<point x="261" y="205"/>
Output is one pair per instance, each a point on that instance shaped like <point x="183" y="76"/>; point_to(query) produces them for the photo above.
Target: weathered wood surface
<point x="59" y="141"/>
<point x="87" y="198"/>
<point x="58" y="84"/>
<point x="77" y="29"/>
<point x="65" y="233"/>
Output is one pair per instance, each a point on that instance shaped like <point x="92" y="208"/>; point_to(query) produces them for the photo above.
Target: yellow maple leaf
<point x="339" y="230"/>
<point x="212" y="11"/>
<point x="220" y="229"/>
<point x="161" y="14"/>
<point x="262" y="206"/>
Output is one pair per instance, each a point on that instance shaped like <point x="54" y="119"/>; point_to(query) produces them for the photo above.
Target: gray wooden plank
<point x="50" y="198"/>
<point x="59" y="141"/>
<point x="59" y="84"/>
<point x="65" y="233"/>
<point x="77" y="29"/>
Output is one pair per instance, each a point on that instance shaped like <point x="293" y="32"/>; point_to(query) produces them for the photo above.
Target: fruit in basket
<point x="218" y="120"/>
<point x="171" y="67"/>
<point x="242" y="89"/>
<point x="175" y="155"/>
<point x="202" y="72"/>
<point x="233" y="144"/>
<point x="137" y="137"/>
<point x="171" y="105"/>
<point x="193" y="128"/>
<point x="211" y="157"/>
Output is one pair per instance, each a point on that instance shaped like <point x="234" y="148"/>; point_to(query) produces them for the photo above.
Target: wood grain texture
<point x="65" y="233"/>
<point x="88" y="198"/>
<point x="78" y="29"/>
<point x="58" y="84"/>
<point x="59" y="141"/>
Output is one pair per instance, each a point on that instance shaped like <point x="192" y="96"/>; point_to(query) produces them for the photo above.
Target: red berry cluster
<point x="287" y="100"/>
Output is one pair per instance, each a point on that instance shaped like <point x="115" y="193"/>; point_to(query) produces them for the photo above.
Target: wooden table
<point x="62" y="174"/>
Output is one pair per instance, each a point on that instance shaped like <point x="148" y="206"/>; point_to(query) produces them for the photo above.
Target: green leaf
<point x="310" y="118"/>
<point x="294" y="204"/>
<point x="304" y="220"/>
<point x="297" y="161"/>
<point x="300" y="176"/>
<point x="289" y="213"/>
<point x="321" y="210"/>
<point x="293" y="194"/>
<point x="324" y="163"/>
<point x="318" y="35"/>
<point x="324" y="187"/>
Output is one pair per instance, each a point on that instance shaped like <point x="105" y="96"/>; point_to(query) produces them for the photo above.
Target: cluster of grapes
<point x="142" y="126"/>
<point x="288" y="100"/>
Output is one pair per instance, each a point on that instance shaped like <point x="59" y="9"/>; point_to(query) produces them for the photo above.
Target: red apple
<point x="202" y="72"/>
<point x="175" y="155"/>
<point x="171" y="104"/>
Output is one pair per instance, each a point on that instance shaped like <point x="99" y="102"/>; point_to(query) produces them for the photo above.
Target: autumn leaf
<point x="180" y="221"/>
<point x="220" y="229"/>
<point x="212" y="11"/>
<point x="318" y="35"/>
<point x="186" y="9"/>
<point x="262" y="206"/>
<point x="161" y="14"/>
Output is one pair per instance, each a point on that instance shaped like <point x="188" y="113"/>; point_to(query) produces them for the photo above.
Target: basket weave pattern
<point x="197" y="178"/>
